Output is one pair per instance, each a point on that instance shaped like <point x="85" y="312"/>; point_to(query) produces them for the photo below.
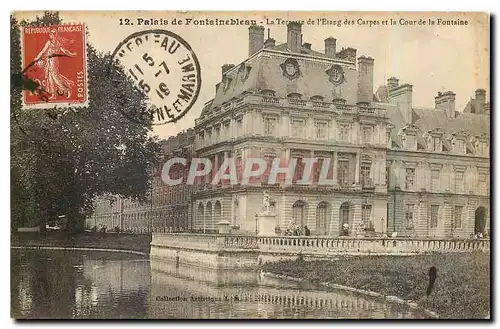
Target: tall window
<point x="298" y="213"/>
<point x="226" y="133"/>
<point x="321" y="218"/>
<point x="209" y="135"/>
<point x="321" y="128"/>
<point x="299" y="169"/>
<point x="436" y="144"/>
<point x="483" y="186"/>
<point x="367" y="134"/>
<point x="366" y="214"/>
<point x="434" y="215"/>
<point x="269" y="158"/>
<point x="365" y="173"/>
<point x="317" y="170"/>
<point x="343" y="173"/>
<point x="239" y="126"/>
<point x="270" y="126"/>
<point x="409" y="215"/>
<point x="410" y="142"/>
<point x="459" y="182"/>
<point x="239" y="167"/>
<point x="344" y="132"/>
<point x="434" y="180"/>
<point x="457" y="223"/>
<point x="217" y="133"/>
<point x="298" y="127"/>
<point x="410" y="178"/>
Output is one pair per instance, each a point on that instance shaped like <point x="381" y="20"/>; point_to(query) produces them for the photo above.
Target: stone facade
<point x="394" y="167"/>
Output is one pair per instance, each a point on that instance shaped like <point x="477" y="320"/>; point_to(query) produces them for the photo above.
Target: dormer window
<point x="436" y="144"/>
<point x="317" y="98"/>
<point x="408" y="135"/>
<point x="294" y="96"/>
<point x="434" y="140"/>
<point x="410" y="142"/>
<point x="480" y="145"/>
<point x="458" y="143"/>
<point x="459" y="146"/>
<point x="268" y="93"/>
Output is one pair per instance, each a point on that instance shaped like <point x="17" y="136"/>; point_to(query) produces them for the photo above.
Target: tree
<point x="61" y="159"/>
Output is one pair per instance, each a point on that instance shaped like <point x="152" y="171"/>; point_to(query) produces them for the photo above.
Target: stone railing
<point x="211" y="242"/>
<point x="326" y="245"/>
<point x="315" y="245"/>
<point x="294" y="102"/>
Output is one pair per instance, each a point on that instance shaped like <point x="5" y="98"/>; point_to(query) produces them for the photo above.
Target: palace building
<point x="169" y="207"/>
<point x="394" y="167"/>
<point x="288" y="101"/>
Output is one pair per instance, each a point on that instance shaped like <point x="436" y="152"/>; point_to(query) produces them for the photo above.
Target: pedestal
<point x="267" y="224"/>
<point x="223" y="226"/>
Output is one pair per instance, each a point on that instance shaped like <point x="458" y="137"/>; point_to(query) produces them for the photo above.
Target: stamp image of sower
<point x="164" y="67"/>
<point x="55" y="61"/>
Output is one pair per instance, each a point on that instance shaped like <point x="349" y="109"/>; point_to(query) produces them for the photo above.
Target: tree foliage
<point x="62" y="158"/>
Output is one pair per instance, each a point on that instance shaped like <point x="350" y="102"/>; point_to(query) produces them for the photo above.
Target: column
<point x="356" y="173"/>
<point x="313" y="169"/>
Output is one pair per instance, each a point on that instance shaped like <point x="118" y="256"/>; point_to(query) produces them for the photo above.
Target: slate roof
<point x="427" y="119"/>
<point x="265" y="73"/>
<point x="283" y="47"/>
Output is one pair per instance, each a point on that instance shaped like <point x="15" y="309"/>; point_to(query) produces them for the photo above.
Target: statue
<point x="266" y="202"/>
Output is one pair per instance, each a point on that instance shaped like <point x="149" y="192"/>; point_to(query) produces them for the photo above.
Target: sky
<point x="431" y="58"/>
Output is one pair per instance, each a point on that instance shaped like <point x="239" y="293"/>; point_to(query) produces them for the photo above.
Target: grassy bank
<point x="461" y="290"/>
<point x="139" y="242"/>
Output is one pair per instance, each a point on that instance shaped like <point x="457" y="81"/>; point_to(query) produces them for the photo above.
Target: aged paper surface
<point x="248" y="165"/>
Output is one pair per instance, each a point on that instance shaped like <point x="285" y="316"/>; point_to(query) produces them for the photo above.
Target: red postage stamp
<point x="55" y="61"/>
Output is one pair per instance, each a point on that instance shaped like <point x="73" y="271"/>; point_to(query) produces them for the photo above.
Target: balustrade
<point x="316" y="245"/>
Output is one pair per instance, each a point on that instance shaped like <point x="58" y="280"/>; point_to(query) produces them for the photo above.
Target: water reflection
<point x="57" y="284"/>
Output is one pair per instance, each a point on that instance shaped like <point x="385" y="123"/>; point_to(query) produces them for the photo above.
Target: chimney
<point x="446" y="101"/>
<point x="480" y="100"/>
<point x="402" y="97"/>
<point x="365" y="79"/>
<point x="392" y="83"/>
<point x="269" y="43"/>
<point x="330" y="47"/>
<point x="294" y="36"/>
<point x="225" y="68"/>
<point x="255" y="39"/>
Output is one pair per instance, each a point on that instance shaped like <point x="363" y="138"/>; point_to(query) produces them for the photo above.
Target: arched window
<point x="345" y="219"/>
<point x="217" y="212"/>
<point x="321" y="218"/>
<point x="299" y="213"/>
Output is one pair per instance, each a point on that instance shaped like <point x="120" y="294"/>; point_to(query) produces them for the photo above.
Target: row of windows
<point x="344" y="174"/>
<point x="435" y="144"/>
<point x="410" y="217"/>
<point x="298" y="129"/>
<point x="459" y="181"/>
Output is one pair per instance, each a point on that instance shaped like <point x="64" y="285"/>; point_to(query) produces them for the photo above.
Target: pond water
<point x="105" y="285"/>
